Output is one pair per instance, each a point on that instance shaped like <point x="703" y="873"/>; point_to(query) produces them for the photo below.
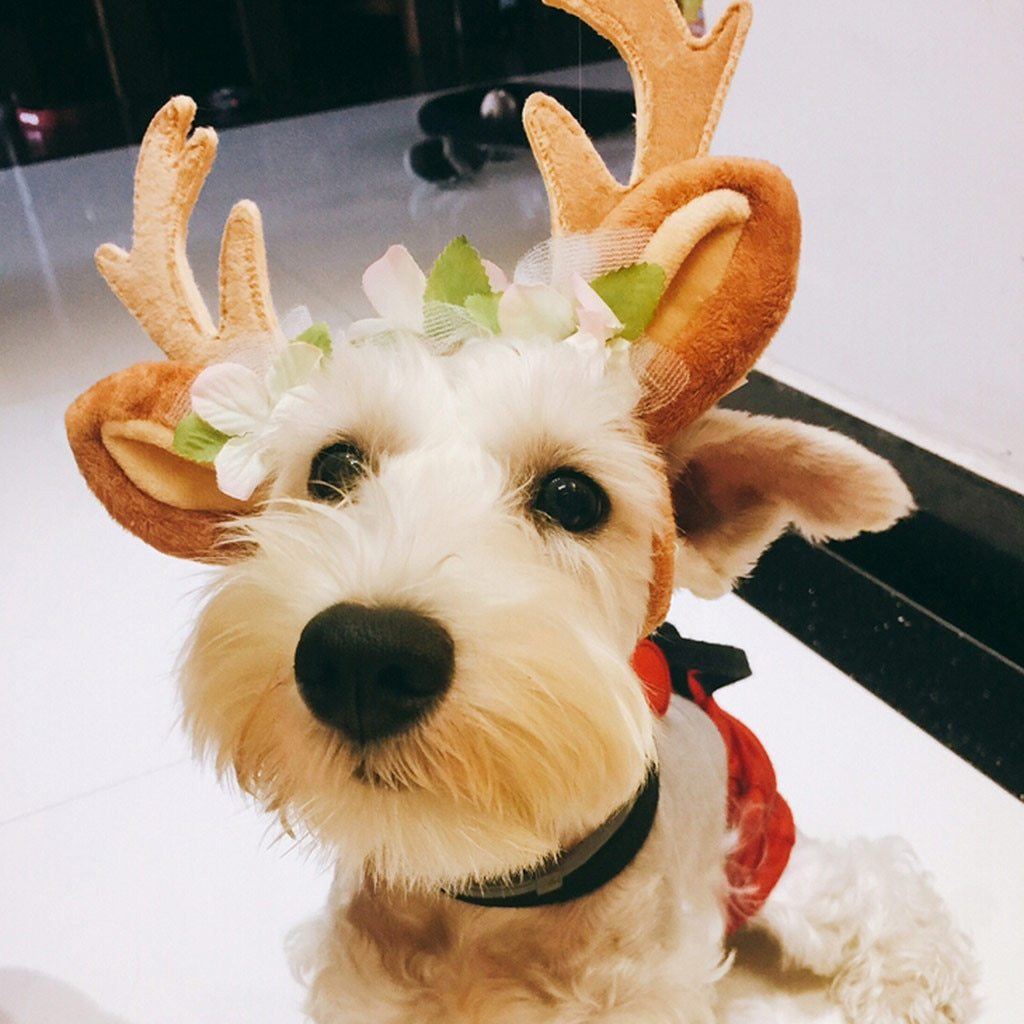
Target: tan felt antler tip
<point x="245" y="306"/>
<point x="581" y="190"/>
<point x="199" y="152"/>
<point x="742" y="11"/>
<point x="177" y="113"/>
<point x="724" y="43"/>
<point x="244" y="218"/>
<point x="111" y="261"/>
<point x="728" y="35"/>
<point x="169" y="132"/>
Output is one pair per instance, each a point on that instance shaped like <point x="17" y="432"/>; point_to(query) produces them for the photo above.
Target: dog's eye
<point x="572" y="500"/>
<point x="335" y="470"/>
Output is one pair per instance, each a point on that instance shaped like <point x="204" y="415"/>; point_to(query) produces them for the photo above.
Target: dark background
<point x="82" y="75"/>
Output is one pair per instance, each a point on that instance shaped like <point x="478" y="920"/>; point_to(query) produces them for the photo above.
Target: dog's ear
<point x="738" y="481"/>
<point x="121" y="432"/>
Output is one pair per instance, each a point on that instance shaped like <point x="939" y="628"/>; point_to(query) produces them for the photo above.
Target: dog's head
<point x="436" y="566"/>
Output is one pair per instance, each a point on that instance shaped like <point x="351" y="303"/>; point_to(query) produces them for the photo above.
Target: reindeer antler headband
<point x="715" y="242"/>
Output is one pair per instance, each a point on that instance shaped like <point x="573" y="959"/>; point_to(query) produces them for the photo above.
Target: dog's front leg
<point x="865" y="914"/>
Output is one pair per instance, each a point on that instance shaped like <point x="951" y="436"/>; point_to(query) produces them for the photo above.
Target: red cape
<point x="756" y="810"/>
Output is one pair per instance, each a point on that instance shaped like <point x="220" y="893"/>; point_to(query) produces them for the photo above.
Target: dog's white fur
<point x="545" y="731"/>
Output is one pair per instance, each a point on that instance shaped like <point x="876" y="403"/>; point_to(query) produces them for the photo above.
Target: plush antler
<point x="680" y="81"/>
<point x="154" y="280"/>
<point x="726" y="231"/>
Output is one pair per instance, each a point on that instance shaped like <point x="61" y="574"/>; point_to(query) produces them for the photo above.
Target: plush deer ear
<point x="727" y="233"/>
<point x="725" y="230"/>
<point x="738" y="481"/>
<point x="121" y="432"/>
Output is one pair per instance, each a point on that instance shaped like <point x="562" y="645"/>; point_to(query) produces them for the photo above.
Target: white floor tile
<point x="158" y="901"/>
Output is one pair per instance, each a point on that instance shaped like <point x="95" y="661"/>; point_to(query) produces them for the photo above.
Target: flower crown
<point x="236" y="412"/>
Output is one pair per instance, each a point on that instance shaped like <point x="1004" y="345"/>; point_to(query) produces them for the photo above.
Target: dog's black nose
<point x="372" y="672"/>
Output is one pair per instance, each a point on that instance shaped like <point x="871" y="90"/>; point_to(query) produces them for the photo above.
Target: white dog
<point x="448" y="534"/>
<point x="536" y="731"/>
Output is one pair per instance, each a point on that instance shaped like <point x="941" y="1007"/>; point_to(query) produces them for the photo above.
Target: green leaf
<point x="195" y="439"/>
<point x="484" y="310"/>
<point x="457" y="274"/>
<point x="317" y="335"/>
<point x="633" y="294"/>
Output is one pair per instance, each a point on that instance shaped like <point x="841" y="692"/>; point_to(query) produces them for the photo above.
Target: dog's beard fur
<point x="545" y="730"/>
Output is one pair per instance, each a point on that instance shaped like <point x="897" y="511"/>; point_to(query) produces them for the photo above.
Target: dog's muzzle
<point x="371" y="673"/>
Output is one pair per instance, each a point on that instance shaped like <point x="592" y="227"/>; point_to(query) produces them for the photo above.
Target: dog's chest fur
<point x="637" y="947"/>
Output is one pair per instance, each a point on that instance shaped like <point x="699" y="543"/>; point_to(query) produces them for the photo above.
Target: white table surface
<point x="135" y="890"/>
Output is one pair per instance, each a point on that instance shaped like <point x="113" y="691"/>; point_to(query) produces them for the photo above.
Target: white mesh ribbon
<point x="256" y="352"/>
<point x="447" y="327"/>
<point x="662" y="373"/>
<point x="555" y="261"/>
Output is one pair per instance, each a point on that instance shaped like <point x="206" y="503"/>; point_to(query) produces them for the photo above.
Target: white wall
<point x="902" y="127"/>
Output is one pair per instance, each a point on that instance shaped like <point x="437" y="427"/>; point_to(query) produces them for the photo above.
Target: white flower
<point x="535" y="311"/>
<point x="597" y="324"/>
<point x="593" y="314"/>
<point x="295" y="321"/>
<point x="582" y="318"/>
<point x="248" y="408"/>
<point x="496" y="277"/>
<point x="395" y="286"/>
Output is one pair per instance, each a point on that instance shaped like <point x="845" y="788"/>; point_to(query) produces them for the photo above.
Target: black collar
<point x="583" y="868"/>
<point x="611" y="847"/>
